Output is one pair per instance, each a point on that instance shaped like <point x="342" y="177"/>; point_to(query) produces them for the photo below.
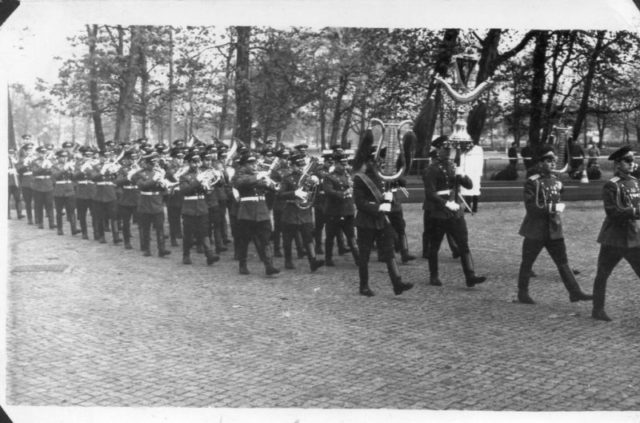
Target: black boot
<point x="162" y="252"/>
<point x="404" y="250"/>
<point x="74" y="224"/>
<point x="425" y="245"/>
<point x="114" y="232"/>
<point x="342" y="249"/>
<point x="328" y="252"/>
<point x="314" y="263"/>
<point x="396" y="280"/>
<point x="363" y="272"/>
<point x="569" y="280"/>
<point x="355" y="252"/>
<point x="433" y="270"/>
<point x="288" y="256"/>
<point x="269" y="268"/>
<point x="59" y="223"/>
<point x="453" y="246"/>
<point x="186" y="259"/>
<point x="52" y="225"/>
<point x="211" y="257"/>
<point x="523" y="286"/>
<point x="242" y="268"/>
<point x="599" y="291"/>
<point x="469" y="272"/>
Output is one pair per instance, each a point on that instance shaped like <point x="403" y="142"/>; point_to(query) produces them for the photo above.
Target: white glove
<point x="236" y="194"/>
<point x="262" y="175"/>
<point x="452" y="205"/>
<point x="314" y="179"/>
<point x="388" y="196"/>
<point x="559" y="207"/>
<point x="385" y="207"/>
<point x="301" y="194"/>
<point x="459" y="171"/>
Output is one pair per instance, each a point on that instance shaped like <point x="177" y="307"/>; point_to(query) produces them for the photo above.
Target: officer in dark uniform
<point x="64" y="195"/>
<point x="253" y="219"/>
<point x="105" y="201"/>
<point x="295" y="219"/>
<point x="446" y="213"/>
<point x="339" y="207"/>
<point x="42" y="187"/>
<point x="620" y="233"/>
<point x="542" y="227"/>
<point x="174" y="196"/>
<point x="319" y="205"/>
<point x="150" y="209"/>
<point x="195" y="212"/>
<point x="129" y="197"/>
<point x="278" y="175"/>
<point x="218" y="216"/>
<point x="371" y="219"/>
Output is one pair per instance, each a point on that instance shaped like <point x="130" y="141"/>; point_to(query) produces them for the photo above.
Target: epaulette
<point x="534" y="176"/>
<point x="615" y="179"/>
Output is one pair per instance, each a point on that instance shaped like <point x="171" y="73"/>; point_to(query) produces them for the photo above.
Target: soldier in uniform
<point x="85" y="191"/>
<point x="542" y="227"/>
<point x="371" y="218"/>
<point x="295" y="219"/>
<point x="339" y="207"/>
<point x="105" y="204"/>
<point x="278" y="175"/>
<point x="174" y="196"/>
<point x="42" y="187"/>
<point x="129" y="197"/>
<point x="620" y="233"/>
<point x="319" y="206"/>
<point x="253" y="220"/>
<point x="25" y="179"/>
<point x="64" y="195"/>
<point x="152" y="186"/>
<point x="195" y="212"/>
<point x="446" y="215"/>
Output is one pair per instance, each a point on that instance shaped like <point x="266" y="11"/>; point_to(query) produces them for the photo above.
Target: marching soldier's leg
<point x="144" y="220"/>
<point x="299" y="244"/>
<point x="331" y="230"/>
<point x="386" y="238"/>
<point x="287" y="241"/>
<point x="216" y="224"/>
<point x="263" y="236"/>
<point x="425" y="233"/>
<point x="277" y="232"/>
<point x="204" y="240"/>
<point x="320" y="221"/>
<point x="455" y="252"/>
<point x="38" y="206"/>
<point x="187" y="237"/>
<point x="349" y="233"/>
<point x="27" y="195"/>
<point x="59" y="204"/>
<point x="558" y="252"/>
<point x="459" y="233"/>
<point x="158" y="223"/>
<point x="97" y="216"/>
<point x="365" y="241"/>
<point x="113" y="220"/>
<point x="82" y="217"/>
<point x="71" y="208"/>
<point x="436" y="237"/>
<point x="48" y="203"/>
<point x="242" y="238"/>
<point x="306" y="231"/>
<point x="342" y="248"/>
<point x="530" y="250"/>
<point x="608" y="258"/>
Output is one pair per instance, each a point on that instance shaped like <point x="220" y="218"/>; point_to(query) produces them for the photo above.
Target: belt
<point x="27" y="174"/>
<point x="194" y="197"/>
<point x="85" y="182"/>
<point x="129" y="187"/>
<point x="150" y="193"/>
<point x="105" y="183"/>
<point x="254" y="198"/>
<point x="63" y="182"/>
<point x="444" y="192"/>
<point x="42" y="177"/>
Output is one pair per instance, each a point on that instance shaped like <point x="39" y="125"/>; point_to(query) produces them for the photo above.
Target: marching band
<point x="279" y="198"/>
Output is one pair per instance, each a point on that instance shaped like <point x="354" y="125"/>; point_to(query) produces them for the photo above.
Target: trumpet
<point x="209" y="178"/>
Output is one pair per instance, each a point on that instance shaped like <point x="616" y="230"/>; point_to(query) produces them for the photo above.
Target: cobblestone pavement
<point x="102" y="326"/>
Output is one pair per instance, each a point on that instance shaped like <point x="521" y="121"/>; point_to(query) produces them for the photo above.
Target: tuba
<point x="309" y="183"/>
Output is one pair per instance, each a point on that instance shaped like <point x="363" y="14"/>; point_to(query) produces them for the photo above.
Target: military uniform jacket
<point x="252" y="205"/>
<point x="105" y="186"/>
<point x="25" y="173"/>
<point x="278" y="176"/>
<point x="129" y="193"/>
<point x="321" y="196"/>
<point x="439" y="183"/>
<point x="42" y="181"/>
<point x="63" y="180"/>
<point x="339" y="201"/>
<point x="621" y="197"/>
<point x="151" y="192"/>
<point x="174" y="196"/>
<point x="291" y="213"/>
<point x="367" y="205"/>
<point x="85" y="187"/>
<point x="539" y="222"/>
<point x="398" y="196"/>
<point x="194" y="202"/>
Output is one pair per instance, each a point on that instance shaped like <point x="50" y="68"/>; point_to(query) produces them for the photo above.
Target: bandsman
<point x="42" y="186"/>
<point x="64" y="195"/>
<point x="130" y="195"/>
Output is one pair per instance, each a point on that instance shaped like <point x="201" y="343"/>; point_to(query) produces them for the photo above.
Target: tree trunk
<point x="171" y="118"/>
<point x="323" y="123"/>
<point x="144" y="93"/>
<point x="588" y="82"/>
<point x="537" y="87"/>
<point x="225" y="93"/>
<point x="127" y="88"/>
<point x="96" y="114"/>
<point x="425" y="123"/>
<point x="242" y="85"/>
<point x="337" y="110"/>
